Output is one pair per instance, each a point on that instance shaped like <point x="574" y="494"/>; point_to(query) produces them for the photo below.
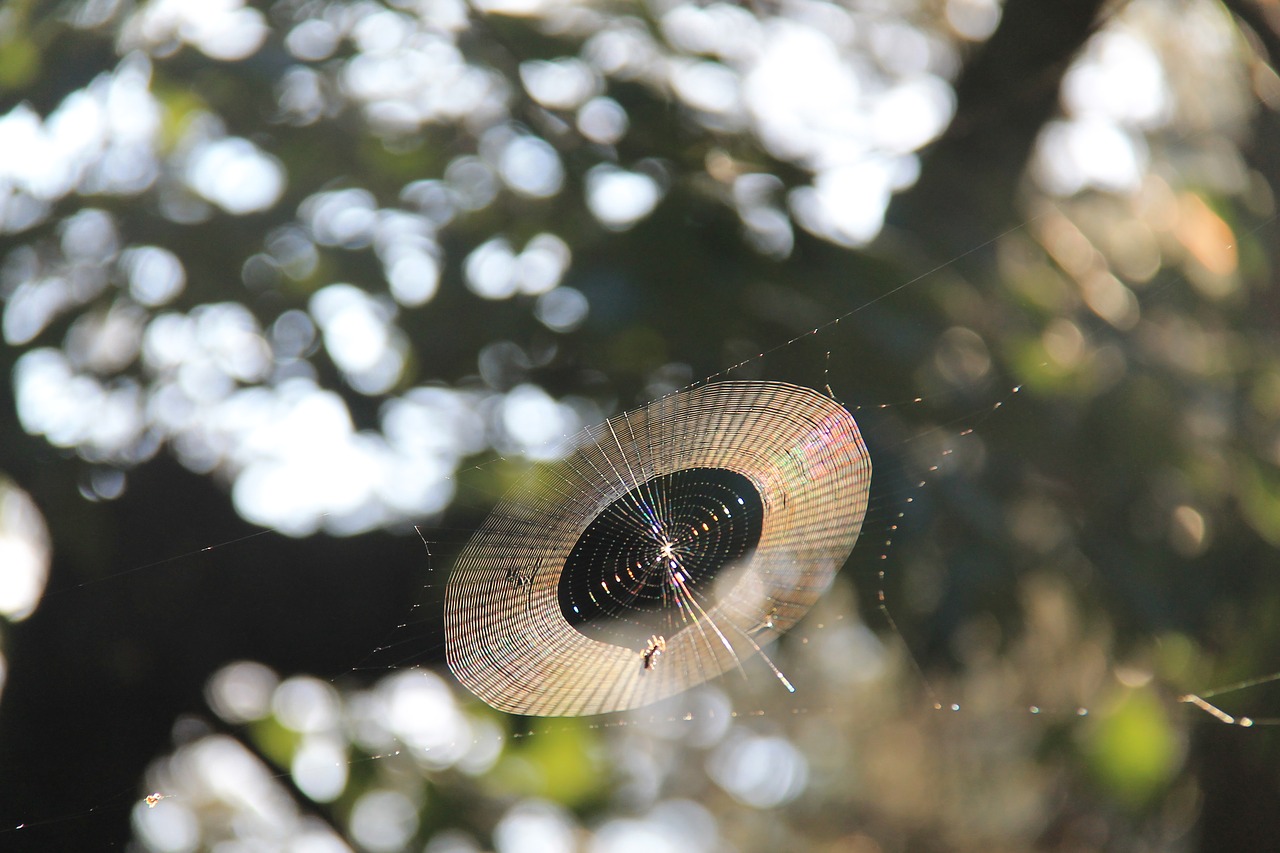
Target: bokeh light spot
<point x="236" y="175"/>
<point x="25" y="552"/>
<point x="619" y="198"/>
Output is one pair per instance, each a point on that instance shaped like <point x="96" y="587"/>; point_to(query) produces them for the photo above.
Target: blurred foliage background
<point x="330" y="268"/>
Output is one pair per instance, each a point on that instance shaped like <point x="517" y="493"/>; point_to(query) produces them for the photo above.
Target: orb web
<point x="665" y="549"/>
<point x="667" y="537"/>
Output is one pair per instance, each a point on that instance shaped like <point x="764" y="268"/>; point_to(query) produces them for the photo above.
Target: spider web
<point x="799" y="459"/>
<point x="625" y="621"/>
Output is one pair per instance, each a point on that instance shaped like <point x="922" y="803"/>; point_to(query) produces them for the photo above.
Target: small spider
<point x="152" y="799"/>
<point x="521" y="575"/>
<point x="657" y="645"/>
<point x="766" y="623"/>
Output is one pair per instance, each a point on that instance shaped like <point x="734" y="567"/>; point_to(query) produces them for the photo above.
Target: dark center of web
<point x="646" y="564"/>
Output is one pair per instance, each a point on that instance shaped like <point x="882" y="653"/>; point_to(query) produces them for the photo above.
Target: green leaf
<point x="1132" y="749"/>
